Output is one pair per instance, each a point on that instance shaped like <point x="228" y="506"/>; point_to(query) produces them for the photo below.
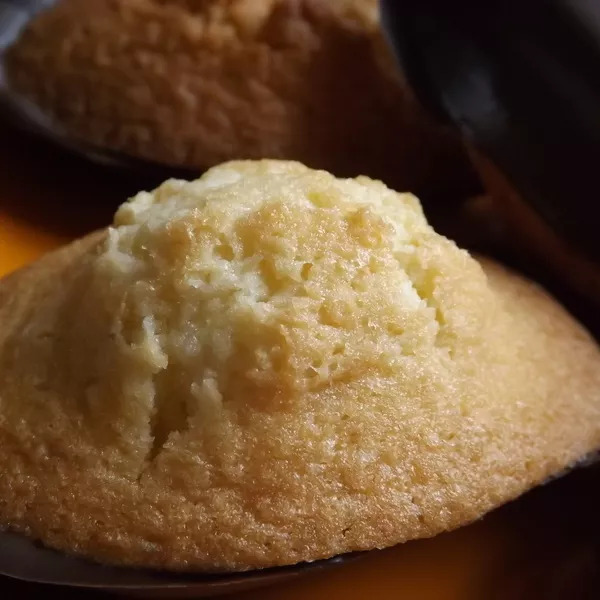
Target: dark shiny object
<point x="521" y="81"/>
<point x="23" y="559"/>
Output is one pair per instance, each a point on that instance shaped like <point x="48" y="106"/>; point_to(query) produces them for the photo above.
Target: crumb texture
<point x="269" y="365"/>
<point x="195" y="83"/>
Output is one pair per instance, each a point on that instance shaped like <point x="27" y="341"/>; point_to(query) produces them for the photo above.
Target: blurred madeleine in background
<point x="191" y="83"/>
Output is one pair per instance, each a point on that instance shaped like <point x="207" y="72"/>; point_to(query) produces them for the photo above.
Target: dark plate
<point x="25" y="560"/>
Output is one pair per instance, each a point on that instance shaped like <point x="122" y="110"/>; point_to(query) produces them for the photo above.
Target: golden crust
<point x="270" y="365"/>
<point x="196" y="83"/>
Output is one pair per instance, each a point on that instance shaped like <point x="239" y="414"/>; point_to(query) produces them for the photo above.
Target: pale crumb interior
<point x="248" y="289"/>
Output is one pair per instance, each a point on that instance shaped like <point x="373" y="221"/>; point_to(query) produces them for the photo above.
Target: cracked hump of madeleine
<point x="271" y="365"/>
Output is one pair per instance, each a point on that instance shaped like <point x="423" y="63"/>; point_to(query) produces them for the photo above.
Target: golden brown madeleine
<point x="270" y="365"/>
<point x="193" y="83"/>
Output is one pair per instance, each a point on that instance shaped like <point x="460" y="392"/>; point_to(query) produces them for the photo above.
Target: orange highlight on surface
<point x="20" y="243"/>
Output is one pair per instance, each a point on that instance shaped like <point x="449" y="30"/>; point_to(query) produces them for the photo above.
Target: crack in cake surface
<point x="265" y="295"/>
